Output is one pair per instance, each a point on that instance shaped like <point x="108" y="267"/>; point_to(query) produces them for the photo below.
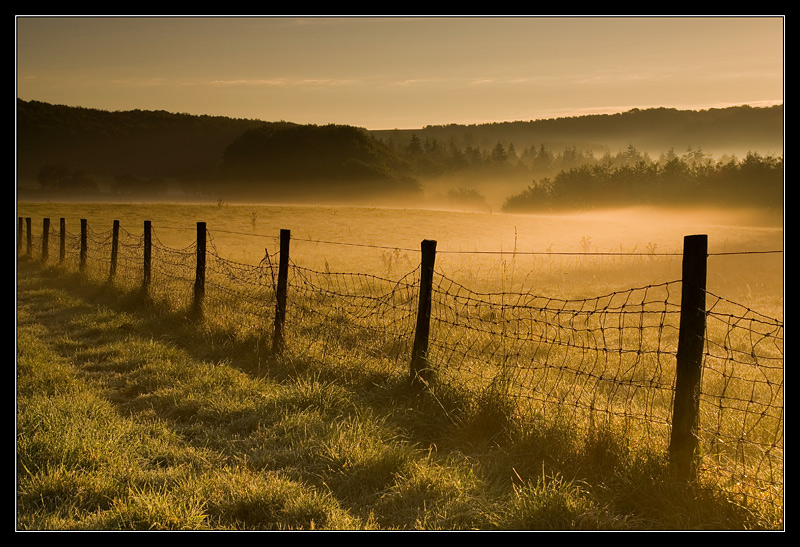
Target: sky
<point x="400" y="72"/>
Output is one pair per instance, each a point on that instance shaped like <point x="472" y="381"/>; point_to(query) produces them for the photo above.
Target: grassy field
<point x="469" y="244"/>
<point x="132" y="418"/>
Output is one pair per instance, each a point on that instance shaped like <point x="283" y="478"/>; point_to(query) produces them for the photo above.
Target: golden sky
<point x="400" y="72"/>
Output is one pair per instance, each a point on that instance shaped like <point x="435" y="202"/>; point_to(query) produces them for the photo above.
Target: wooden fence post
<point x="148" y="249"/>
<point x="114" y="250"/>
<point x="19" y="234"/>
<point x="691" y="340"/>
<point x="45" y="238"/>
<point x="280" y="292"/>
<point x="420" y="367"/>
<point x="29" y="247"/>
<point x="200" y="270"/>
<point x="84" y="251"/>
<point x="62" y="240"/>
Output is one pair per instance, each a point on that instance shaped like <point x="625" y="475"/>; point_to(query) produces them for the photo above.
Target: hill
<point x="106" y="144"/>
<point x="62" y="148"/>
<point x="332" y="161"/>
<point x="734" y="130"/>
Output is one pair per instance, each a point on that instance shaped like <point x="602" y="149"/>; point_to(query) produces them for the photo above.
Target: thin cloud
<point x="282" y="82"/>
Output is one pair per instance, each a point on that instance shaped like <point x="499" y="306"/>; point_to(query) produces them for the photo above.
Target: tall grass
<point x="212" y="431"/>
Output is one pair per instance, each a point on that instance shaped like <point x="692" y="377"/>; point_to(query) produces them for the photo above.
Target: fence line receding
<point x="670" y="364"/>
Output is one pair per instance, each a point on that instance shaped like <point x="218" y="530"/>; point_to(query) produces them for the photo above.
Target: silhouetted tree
<point x="543" y="160"/>
<point x="499" y="154"/>
<point x="414" y="146"/>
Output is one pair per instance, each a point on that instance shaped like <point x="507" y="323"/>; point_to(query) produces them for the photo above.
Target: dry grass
<point x="328" y="435"/>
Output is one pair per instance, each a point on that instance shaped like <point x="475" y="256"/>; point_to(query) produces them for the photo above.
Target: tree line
<point x="68" y="149"/>
<point x="734" y="129"/>
<point x="324" y="159"/>
<point x="693" y="178"/>
<point x="429" y="157"/>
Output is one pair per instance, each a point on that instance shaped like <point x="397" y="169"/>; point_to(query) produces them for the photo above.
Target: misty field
<point x="385" y="239"/>
<point x="552" y="338"/>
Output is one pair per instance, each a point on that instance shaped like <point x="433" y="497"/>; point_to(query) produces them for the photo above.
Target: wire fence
<point x="741" y="426"/>
<point x="608" y="360"/>
<point x="603" y="355"/>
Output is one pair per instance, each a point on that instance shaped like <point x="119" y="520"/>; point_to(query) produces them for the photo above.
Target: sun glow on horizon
<point x="399" y="72"/>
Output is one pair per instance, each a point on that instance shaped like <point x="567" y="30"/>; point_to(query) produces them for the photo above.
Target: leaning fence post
<point x="420" y="369"/>
<point x="29" y="247"/>
<point x="45" y="238"/>
<point x="148" y="244"/>
<point x="280" y="292"/>
<point x="691" y="339"/>
<point x="83" y="244"/>
<point x="200" y="270"/>
<point x="114" y="250"/>
<point x="62" y="240"/>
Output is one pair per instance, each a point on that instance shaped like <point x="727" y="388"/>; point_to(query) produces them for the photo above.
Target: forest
<point x="335" y="159"/>
<point x="640" y="156"/>
<point x="672" y="180"/>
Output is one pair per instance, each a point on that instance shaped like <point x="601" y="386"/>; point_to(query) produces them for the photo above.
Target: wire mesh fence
<point x="741" y="400"/>
<point x="353" y="313"/>
<point x="608" y="358"/>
